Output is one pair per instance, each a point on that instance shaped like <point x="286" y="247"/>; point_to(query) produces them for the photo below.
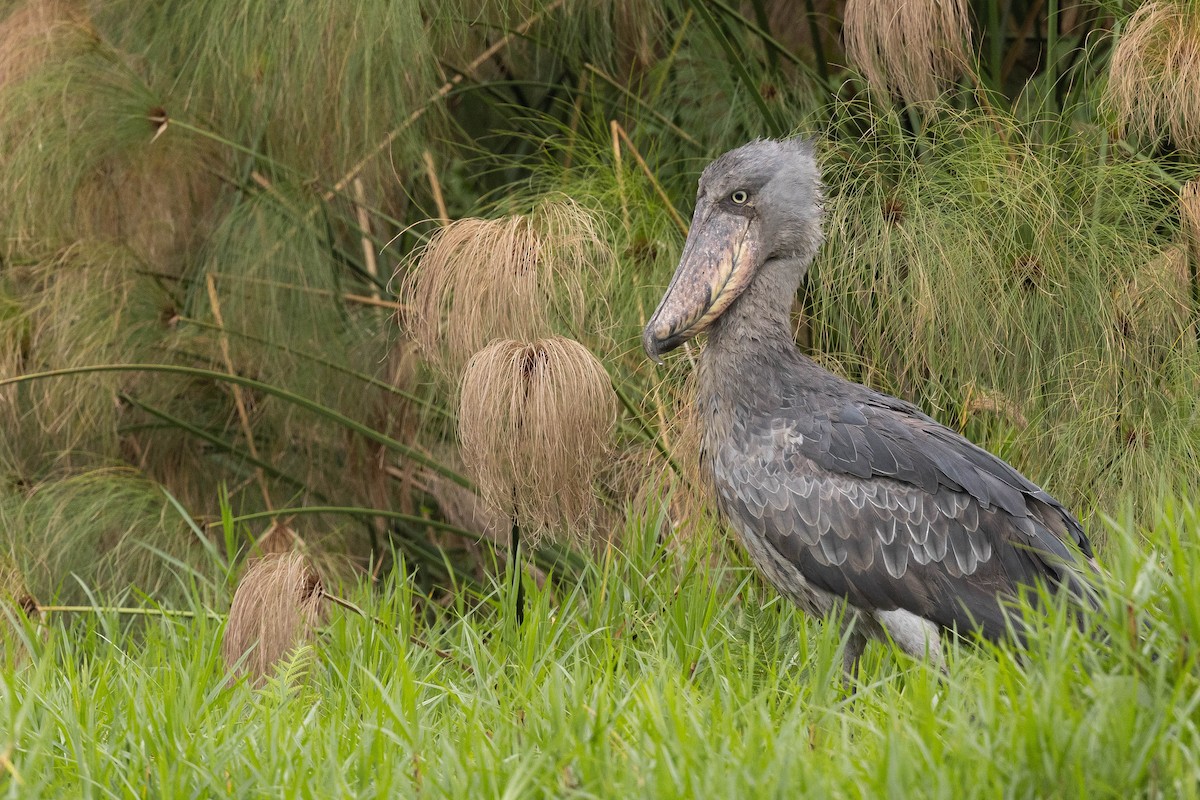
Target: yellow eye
<point x="739" y="197"/>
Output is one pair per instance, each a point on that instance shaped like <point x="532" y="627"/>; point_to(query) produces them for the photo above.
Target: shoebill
<point x="842" y="495"/>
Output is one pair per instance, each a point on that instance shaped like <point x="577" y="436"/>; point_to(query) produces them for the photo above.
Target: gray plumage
<point x="840" y="493"/>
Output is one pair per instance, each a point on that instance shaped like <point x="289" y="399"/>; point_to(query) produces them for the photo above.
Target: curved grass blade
<point x="215" y="441"/>
<point x="362" y="376"/>
<point x="720" y="32"/>
<point x="311" y="405"/>
<point x="362" y="512"/>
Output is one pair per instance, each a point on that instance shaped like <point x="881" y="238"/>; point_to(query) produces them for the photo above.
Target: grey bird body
<point x="843" y="496"/>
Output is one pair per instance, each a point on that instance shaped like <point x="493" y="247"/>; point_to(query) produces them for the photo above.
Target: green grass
<point x="664" y="673"/>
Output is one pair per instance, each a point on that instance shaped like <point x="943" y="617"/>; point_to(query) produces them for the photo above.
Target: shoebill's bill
<point x="841" y="494"/>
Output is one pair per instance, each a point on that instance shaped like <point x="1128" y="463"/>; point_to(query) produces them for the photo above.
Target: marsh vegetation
<point x="284" y="279"/>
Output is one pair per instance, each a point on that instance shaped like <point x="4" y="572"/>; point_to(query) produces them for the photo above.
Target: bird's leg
<point x="515" y="569"/>
<point x="854" y="627"/>
<point x="855" y="643"/>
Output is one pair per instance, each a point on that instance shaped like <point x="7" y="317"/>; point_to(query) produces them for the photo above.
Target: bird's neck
<point x="759" y="320"/>
<point x="751" y="343"/>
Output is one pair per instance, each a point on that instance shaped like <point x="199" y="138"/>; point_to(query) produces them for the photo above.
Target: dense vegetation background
<point x="214" y="218"/>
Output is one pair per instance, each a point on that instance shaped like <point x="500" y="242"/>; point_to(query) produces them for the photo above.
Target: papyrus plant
<point x="1154" y="77"/>
<point x="913" y="48"/>
<point x="517" y="277"/>
<point x="276" y="609"/>
<point x="535" y="419"/>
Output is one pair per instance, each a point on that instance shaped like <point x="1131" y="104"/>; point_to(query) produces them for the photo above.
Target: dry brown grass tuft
<point x="32" y="32"/>
<point x="82" y="307"/>
<point x="1155" y="303"/>
<point x="14" y="344"/>
<point x="13" y="590"/>
<point x="155" y="199"/>
<point x="276" y="608"/>
<point x="993" y="402"/>
<point x="1189" y="216"/>
<point x="15" y="603"/>
<point x="478" y="280"/>
<point x="278" y="539"/>
<point x="1154" y="77"/>
<point x="112" y="176"/>
<point x="910" y="47"/>
<point x="535" y="421"/>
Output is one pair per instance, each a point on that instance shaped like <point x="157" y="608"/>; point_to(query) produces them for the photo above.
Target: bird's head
<point x="756" y="205"/>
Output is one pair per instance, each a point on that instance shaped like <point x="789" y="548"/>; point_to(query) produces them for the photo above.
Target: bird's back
<point x="861" y="496"/>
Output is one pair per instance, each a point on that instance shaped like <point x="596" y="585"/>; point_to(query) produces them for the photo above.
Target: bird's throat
<point x="760" y="318"/>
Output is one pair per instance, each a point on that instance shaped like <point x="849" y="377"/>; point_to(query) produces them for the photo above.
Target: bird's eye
<point x="739" y="197"/>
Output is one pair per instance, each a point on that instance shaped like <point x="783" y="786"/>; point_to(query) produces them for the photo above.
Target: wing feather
<point x="874" y="501"/>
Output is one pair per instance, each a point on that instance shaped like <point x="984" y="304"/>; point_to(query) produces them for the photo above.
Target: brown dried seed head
<point x="1189" y="216"/>
<point x="1153" y="86"/>
<point x="475" y="279"/>
<point x="478" y="280"/>
<point x="15" y="602"/>
<point x="995" y="402"/>
<point x="13" y="591"/>
<point x="910" y="47"/>
<point x="535" y="419"/>
<point x="276" y="608"/>
<point x="278" y="538"/>
<point x="1155" y="302"/>
<point x="34" y="31"/>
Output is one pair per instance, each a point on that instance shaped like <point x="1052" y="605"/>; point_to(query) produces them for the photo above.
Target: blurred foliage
<point x="229" y="187"/>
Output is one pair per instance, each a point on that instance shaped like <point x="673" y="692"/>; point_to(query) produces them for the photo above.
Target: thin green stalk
<point x="737" y="62"/>
<point x="216" y="441"/>
<point x="515" y="569"/>
<point x="658" y="115"/>
<point x="768" y="39"/>
<point x="665" y="67"/>
<point x="995" y="37"/>
<point x="814" y="32"/>
<point x="1052" y="42"/>
<point x="760" y="14"/>
<point x="1077" y="61"/>
<point x="358" y="511"/>
<point x="362" y="376"/>
<point x="305" y="403"/>
<point x="139" y="611"/>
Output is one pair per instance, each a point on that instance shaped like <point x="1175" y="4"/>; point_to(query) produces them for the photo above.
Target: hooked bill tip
<point x="659" y="339"/>
<point x="650" y="343"/>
